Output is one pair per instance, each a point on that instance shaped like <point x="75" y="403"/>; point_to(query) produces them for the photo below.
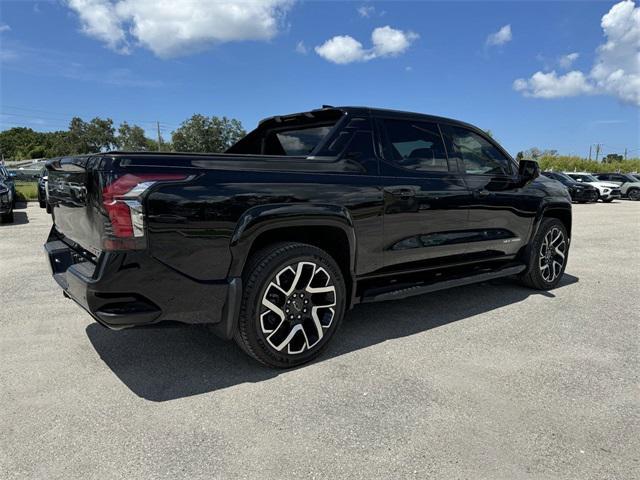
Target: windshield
<point x="565" y="179"/>
<point x="583" y="176"/>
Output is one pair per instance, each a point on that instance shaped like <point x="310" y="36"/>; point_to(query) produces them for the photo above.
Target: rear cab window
<point x="297" y="135"/>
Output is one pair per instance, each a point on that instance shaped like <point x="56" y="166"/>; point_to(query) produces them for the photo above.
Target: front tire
<point x="548" y="255"/>
<point x="293" y="301"/>
<point x="607" y="200"/>
<point x="634" y="194"/>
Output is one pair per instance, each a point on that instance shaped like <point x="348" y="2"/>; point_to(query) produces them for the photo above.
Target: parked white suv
<point x="608" y="190"/>
<point x="629" y="185"/>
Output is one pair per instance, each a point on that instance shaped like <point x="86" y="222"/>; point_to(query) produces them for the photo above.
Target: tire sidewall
<point x="545" y="227"/>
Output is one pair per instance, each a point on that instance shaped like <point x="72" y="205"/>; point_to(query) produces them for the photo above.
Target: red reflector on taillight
<point x="120" y="201"/>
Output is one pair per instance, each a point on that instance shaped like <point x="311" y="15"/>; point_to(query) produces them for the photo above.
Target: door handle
<point x="481" y="193"/>
<point x="403" y="192"/>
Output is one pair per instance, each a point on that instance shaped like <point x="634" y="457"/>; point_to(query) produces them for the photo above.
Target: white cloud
<point x="99" y="20"/>
<point x="342" y="49"/>
<point x="550" y="85"/>
<point x="386" y="42"/>
<point x="366" y="11"/>
<point x="617" y="67"/>
<point x="616" y="70"/>
<point x="178" y="27"/>
<point x="301" y="48"/>
<point x="4" y="27"/>
<point x="565" y="61"/>
<point x="500" y="37"/>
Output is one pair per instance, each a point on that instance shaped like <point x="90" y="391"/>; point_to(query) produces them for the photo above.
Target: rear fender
<point x="258" y="220"/>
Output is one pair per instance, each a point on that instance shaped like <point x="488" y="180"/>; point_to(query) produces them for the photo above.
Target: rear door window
<point x="415" y="145"/>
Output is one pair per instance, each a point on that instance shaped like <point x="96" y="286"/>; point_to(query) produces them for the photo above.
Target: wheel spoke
<point x="557" y="237"/>
<point x="556" y="271"/>
<point x="289" y="337"/>
<point x="299" y="307"/>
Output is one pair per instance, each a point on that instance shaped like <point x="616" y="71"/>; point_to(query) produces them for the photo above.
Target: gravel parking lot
<point x="489" y="381"/>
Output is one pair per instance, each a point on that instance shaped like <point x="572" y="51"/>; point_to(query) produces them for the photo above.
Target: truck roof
<point x="362" y="110"/>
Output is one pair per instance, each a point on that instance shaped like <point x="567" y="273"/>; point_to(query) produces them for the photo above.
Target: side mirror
<point x="528" y="170"/>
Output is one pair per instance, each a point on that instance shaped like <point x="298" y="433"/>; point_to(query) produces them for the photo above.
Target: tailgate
<point x="73" y="196"/>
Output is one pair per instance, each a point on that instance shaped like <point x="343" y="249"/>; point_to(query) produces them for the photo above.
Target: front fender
<point x="260" y="219"/>
<point x="552" y="204"/>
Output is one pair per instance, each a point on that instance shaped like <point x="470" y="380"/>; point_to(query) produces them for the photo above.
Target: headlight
<point x="606" y="190"/>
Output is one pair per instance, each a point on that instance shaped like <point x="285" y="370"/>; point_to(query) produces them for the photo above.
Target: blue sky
<point x="532" y="72"/>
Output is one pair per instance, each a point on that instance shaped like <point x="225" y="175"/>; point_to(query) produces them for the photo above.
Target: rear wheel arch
<point x="331" y="231"/>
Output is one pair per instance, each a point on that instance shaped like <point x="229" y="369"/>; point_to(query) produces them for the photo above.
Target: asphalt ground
<point x="490" y="381"/>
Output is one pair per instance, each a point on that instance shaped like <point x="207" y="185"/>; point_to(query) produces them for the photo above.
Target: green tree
<point x="100" y="135"/>
<point x="132" y="138"/>
<point x="95" y="136"/>
<point x="77" y="139"/>
<point x="207" y="134"/>
<point x="17" y="142"/>
<point x="57" y="144"/>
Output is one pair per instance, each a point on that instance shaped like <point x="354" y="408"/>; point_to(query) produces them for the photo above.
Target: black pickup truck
<point x="311" y="213"/>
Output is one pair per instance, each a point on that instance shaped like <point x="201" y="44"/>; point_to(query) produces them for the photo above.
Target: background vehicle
<point x="306" y="216"/>
<point x="42" y="190"/>
<point x="8" y="179"/>
<point x="608" y="190"/>
<point x="580" y="192"/>
<point x="7" y="201"/>
<point x="629" y="185"/>
<point x="636" y="176"/>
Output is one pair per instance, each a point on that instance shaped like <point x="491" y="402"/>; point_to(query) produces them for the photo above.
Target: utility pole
<point x="159" y="137"/>
<point x="625" y="154"/>
<point x="597" y="151"/>
<point x="590" y="152"/>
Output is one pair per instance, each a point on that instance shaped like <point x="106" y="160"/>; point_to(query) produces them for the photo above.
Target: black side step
<point x="376" y="295"/>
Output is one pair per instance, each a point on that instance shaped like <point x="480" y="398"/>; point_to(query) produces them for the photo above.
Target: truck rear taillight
<point x="123" y="203"/>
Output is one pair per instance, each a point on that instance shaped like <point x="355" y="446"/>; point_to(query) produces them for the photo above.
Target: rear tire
<point x="293" y="301"/>
<point x="548" y="254"/>
<point x="634" y="194"/>
<point x="42" y="204"/>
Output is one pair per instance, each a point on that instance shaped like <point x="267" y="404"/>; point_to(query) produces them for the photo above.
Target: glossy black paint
<point x="579" y="192"/>
<point x="380" y="220"/>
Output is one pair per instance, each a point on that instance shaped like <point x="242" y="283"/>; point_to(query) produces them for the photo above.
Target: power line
<point x="70" y="116"/>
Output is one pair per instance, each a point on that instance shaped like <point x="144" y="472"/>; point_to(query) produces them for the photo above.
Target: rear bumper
<point x="122" y="290"/>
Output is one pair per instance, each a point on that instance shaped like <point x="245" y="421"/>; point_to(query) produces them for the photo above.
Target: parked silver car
<point x="629" y="185"/>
